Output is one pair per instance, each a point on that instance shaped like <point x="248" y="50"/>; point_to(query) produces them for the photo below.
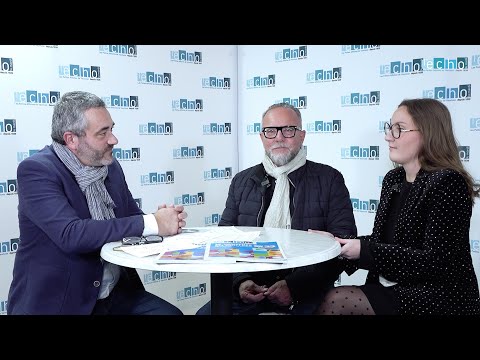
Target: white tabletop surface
<point x="301" y="248"/>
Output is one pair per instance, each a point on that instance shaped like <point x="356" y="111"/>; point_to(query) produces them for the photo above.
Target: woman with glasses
<point x="418" y="255"/>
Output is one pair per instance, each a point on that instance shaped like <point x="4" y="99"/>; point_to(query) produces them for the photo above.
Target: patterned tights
<point x="345" y="300"/>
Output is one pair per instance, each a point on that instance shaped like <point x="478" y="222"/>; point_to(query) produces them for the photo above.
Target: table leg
<point x="221" y="293"/>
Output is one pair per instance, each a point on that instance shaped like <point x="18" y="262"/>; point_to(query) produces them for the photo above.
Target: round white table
<point x="300" y="247"/>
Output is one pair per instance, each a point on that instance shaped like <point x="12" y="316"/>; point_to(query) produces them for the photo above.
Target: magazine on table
<point x="250" y="251"/>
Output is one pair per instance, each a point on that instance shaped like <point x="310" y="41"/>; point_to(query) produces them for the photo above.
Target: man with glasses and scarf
<point x="286" y="191"/>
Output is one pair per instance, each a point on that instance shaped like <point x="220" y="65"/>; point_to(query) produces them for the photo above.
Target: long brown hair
<point x="440" y="148"/>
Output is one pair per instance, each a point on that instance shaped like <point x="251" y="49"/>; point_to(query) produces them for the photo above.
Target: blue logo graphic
<point x="6" y="65"/>
<point x="186" y="57"/>
<point x="324" y="127"/>
<point x="445" y="64"/>
<point x="8" y="127"/>
<point x="152" y="128"/>
<point x="300" y="103"/>
<point x="357" y="48"/>
<point x="155" y="276"/>
<point x="369" y="206"/>
<point x="9" y="246"/>
<point x="356" y="152"/>
<point x="476" y="61"/>
<point x="358" y="99"/>
<point x="380" y="181"/>
<point x="187" y="105"/>
<point x="320" y="75"/>
<point x="32" y="97"/>
<point x="213" y="82"/>
<point x="261" y="82"/>
<point x="78" y="72"/>
<point x="190" y="292"/>
<point x="122" y="50"/>
<point x="464" y="153"/>
<point x="475" y="246"/>
<point x="212" y="220"/>
<point x="154" y="178"/>
<point x="22" y="155"/>
<point x="217" y="129"/>
<point x="119" y="102"/>
<point x="381" y="126"/>
<point x="190" y="199"/>
<point x="460" y="93"/>
<point x="398" y="67"/>
<point x="254" y="129"/>
<point x="8" y="187"/>
<point x="132" y="154"/>
<point x="474" y="124"/>
<point x="217" y="174"/>
<point x="151" y="78"/>
<point x="186" y="152"/>
<point x="291" y="54"/>
<point x="139" y="202"/>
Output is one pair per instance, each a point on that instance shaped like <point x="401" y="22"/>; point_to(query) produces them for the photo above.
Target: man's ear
<point x="71" y="140"/>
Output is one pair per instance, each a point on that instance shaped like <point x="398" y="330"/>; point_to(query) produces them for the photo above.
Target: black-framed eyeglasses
<point x="270" y="132"/>
<point x="395" y="129"/>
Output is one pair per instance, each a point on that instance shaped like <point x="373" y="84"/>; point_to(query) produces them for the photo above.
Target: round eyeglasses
<point x="395" y="129"/>
<point x="270" y="132"/>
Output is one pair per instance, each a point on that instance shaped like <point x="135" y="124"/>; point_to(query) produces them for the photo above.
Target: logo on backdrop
<point x="443" y="93"/>
<point x="380" y="181"/>
<point x="184" y="56"/>
<point x="48" y="46"/>
<point x="357" y="48"/>
<point x="287" y="54"/>
<point x="464" y="153"/>
<point x="185" y="152"/>
<point x="359" y="99"/>
<point x="258" y="82"/>
<point x="476" y="61"/>
<point x="154" y="178"/>
<point x="152" y="78"/>
<point x="446" y="64"/>
<point x="8" y="187"/>
<point x="190" y="199"/>
<point x="119" y="102"/>
<point x="155" y="276"/>
<point x="189" y="292"/>
<point x="475" y="245"/>
<point x="33" y="97"/>
<point x="139" y="202"/>
<point x="321" y="75"/>
<point x="356" y="152"/>
<point x="212" y="220"/>
<point x="152" y="128"/>
<point x="368" y="206"/>
<point x="6" y="65"/>
<point x="132" y="154"/>
<point x="3" y="307"/>
<point x="8" y="127"/>
<point x="213" y="82"/>
<point x="217" y="129"/>
<point x="22" y="155"/>
<point x="474" y="124"/>
<point x="217" y="174"/>
<point x="324" y="127"/>
<point x="122" y="50"/>
<point x="398" y="67"/>
<point x="73" y="71"/>
<point x="254" y="128"/>
<point x="9" y="246"/>
<point x="187" y="105"/>
<point x="300" y="103"/>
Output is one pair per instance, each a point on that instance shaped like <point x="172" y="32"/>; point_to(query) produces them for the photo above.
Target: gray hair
<point x="286" y="106"/>
<point x="69" y="113"/>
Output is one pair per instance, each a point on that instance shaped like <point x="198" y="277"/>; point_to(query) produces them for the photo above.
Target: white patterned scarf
<point x="278" y="213"/>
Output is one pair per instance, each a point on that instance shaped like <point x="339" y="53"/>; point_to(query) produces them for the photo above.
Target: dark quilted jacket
<point x="321" y="201"/>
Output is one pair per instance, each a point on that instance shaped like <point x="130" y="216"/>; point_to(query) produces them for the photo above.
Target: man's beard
<point x="281" y="159"/>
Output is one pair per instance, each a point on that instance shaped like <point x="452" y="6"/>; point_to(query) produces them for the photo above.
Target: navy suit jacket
<point x="57" y="267"/>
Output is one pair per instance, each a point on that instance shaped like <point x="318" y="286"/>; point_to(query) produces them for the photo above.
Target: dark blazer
<point x="321" y="201"/>
<point x="57" y="267"/>
<point x="430" y="256"/>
